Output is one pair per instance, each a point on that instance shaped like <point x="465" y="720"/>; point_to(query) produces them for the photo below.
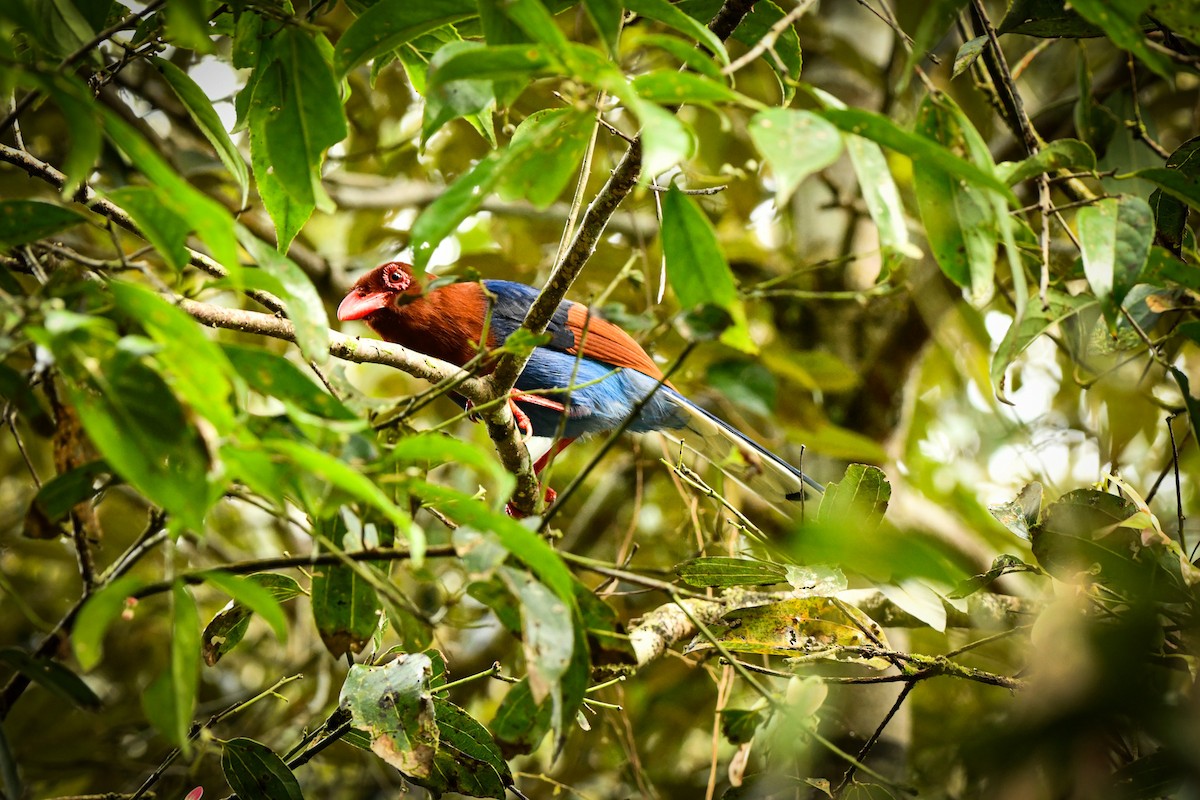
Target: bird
<point x="589" y="371"/>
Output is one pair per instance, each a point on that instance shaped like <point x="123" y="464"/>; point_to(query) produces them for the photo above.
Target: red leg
<point x="524" y="426"/>
<point x="554" y="450"/>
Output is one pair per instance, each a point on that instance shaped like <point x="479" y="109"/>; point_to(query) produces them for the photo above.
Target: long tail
<point x="755" y="467"/>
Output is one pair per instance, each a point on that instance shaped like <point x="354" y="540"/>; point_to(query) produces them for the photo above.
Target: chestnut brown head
<point x="387" y="286"/>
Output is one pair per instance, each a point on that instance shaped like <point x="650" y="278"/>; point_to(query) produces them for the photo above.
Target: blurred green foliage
<point x="939" y="256"/>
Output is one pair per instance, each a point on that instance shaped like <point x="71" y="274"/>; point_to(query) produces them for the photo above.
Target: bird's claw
<point x="520" y="418"/>
<point x="547" y="500"/>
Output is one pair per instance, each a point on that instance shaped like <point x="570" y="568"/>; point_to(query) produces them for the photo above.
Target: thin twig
<point x="195" y="576"/>
<point x="767" y="42"/>
<point x="870" y="743"/>
<point x="194" y="733"/>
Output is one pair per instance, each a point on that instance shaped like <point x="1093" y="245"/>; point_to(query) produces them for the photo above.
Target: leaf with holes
<point x="394" y="705"/>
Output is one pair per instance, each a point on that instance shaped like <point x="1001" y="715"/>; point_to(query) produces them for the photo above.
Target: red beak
<point x="357" y="306"/>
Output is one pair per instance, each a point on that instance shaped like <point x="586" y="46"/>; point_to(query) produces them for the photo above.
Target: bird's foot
<point x="520" y="418"/>
<point x="547" y="500"/>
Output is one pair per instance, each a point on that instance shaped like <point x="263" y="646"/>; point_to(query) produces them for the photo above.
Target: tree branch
<point x="88" y="198"/>
<point x="668" y="624"/>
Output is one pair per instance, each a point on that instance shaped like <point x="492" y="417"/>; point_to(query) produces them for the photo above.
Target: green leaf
<point x="104" y="606"/>
<point x="499" y="31"/>
<point x="257" y="598"/>
<point x="684" y="52"/>
<point x="51" y="676"/>
<point x="881" y="195"/>
<point x="460" y="199"/>
<point x="273" y="375"/>
<point x="671" y="87"/>
<point x="746" y="382"/>
<point x="967" y="55"/>
<point x="791" y="627"/>
<point x="1034" y="322"/>
<point x="528" y="148"/>
<point x="75" y="102"/>
<point x="394" y="705"/>
<point x="339" y="474"/>
<point x="922" y="150"/>
<point x="1170" y="213"/>
<point x="525" y="545"/>
<point x="345" y="607"/>
<point x="696" y="268"/>
<point x="1022" y="512"/>
<point x="228" y="627"/>
<point x="247" y="41"/>
<point x="305" y="308"/>
<point x="132" y="417"/>
<point x="521" y="723"/>
<point x="551" y="146"/>
<point x="548" y="631"/>
<point x="535" y="20"/>
<point x="1189" y="402"/>
<point x="1080" y="537"/>
<point x="1184" y="186"/>
<point x="1115" y="235"/>
<point x="784" y="56"/>
<point x="1163" y="266"/>
<point x="467" y="760"/>
<point x="54" y="501"/>
<point x="436" y="448"/>
<point x="162" y="224"/>
<point x="448" y="100"/>
<point x="1046" y="18"/>
<point x="390" y="23"/>
<point x="286" y="212"/>
<point x="665" y="140"/>
<point x="668" y="14"/>
<point x="170" y="699"/>
<point x="303" y="114"/>
<point x="494" y="63"/>
<point x="1120" y="21"/>
<point x="200" y="109"/>
<point x="1001" y="565"/>
<point x="738" y="725"/>
<point x="195" y="365"/>
<point x="606" y="19"/>
<point x="25" y="221"/>
<point x="187" y="24"/>
<point x="860" y="498"/>
<point x="795" y="144"/>
<point x="255" y="772"/>
<point x="208" y="218"/>
<point x="1069" y="154"/>
<point x="878" y="188"/>
<point x="915" y="598"/>
<point x="723" y="571"/>
<point x="958" y="218"/>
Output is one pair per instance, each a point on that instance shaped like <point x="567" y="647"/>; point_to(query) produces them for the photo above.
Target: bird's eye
<point x="395" y="278"/>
